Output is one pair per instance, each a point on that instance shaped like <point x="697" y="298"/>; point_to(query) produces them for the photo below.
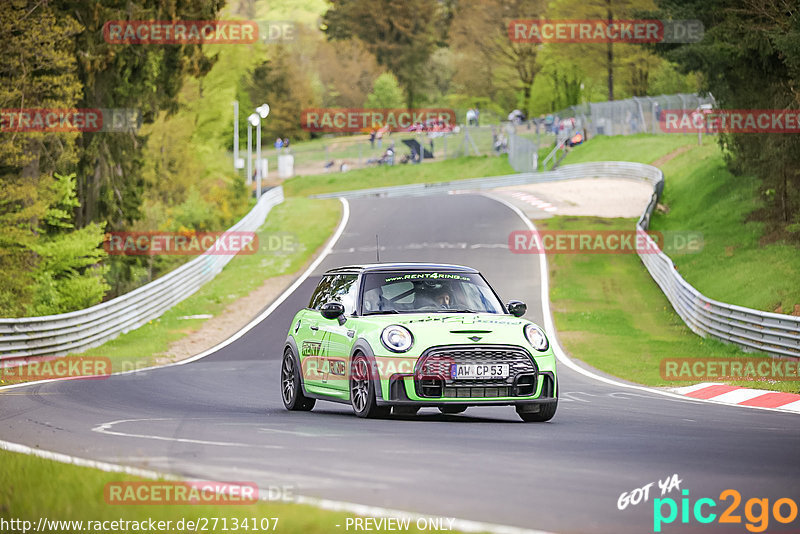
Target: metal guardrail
<point x="768" y="332"/>
<point x="56" y="335"/>
<point x="772" y="333"/>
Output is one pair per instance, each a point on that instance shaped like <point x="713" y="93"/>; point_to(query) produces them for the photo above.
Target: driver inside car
<point x="443" y="298"/>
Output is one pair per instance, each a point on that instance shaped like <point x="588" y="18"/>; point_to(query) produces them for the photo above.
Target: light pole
<point x="236" y="134"/>
<point x="262" y="112"/>
<point x="250" y="124"/>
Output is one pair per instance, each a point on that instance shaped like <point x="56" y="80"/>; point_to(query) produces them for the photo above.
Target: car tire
<point x="545" y="413"/>
<point x="362" y="390"/>
<point x="452" y="409"/>
<point x="292" y="394"/>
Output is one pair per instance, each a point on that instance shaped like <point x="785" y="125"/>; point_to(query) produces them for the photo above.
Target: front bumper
<point x="532" y="379"/>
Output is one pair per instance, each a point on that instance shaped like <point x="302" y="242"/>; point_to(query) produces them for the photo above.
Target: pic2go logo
<point x="756" y="511"/>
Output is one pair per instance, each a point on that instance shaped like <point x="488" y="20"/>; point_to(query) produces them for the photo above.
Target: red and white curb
<point x="741" y="396"/>
<point x="533" y="201"/>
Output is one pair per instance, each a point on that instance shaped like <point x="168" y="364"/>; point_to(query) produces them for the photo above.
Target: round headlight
<point x="397" y="338"/>
<point x="536" y="337"/>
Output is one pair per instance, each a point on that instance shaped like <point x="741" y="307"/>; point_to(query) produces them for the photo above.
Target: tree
<point x="346" y="71"/>
<point x="281" y="83"/>
<point x="400" y="34"/>
<point x="488" y="60"/>
<point x="386" y="93"/>
<point x="750" y="59"/>
<point x="37" y="70"/>
<point x="146" y="78"/>
<point x="69" y="271"/>
<point x="605" y="59"/>
<point x="562" y="81"/>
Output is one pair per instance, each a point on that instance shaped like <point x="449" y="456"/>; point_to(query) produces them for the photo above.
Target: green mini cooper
<point x="398" y="337"/>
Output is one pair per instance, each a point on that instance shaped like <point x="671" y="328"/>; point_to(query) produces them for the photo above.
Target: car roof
<point x="383" y="267"/>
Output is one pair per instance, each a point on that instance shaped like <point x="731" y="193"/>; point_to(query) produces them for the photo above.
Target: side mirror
<point x="332" y="310"/>
<point x="516" y="308"/>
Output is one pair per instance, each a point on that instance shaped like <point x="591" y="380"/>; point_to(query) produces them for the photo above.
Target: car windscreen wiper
<point x="380" y="312"/>
<point x="461" y="310"/>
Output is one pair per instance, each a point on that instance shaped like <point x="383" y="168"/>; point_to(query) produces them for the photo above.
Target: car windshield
<point x="430" y="291"/>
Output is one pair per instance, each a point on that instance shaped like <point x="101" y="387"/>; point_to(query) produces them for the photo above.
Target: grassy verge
<point x="243" y="274"/>
<point x="738" y="263"/>
<point x="609" y="312"/>
<point x="440" y="171"/>
<point x="641" y="148"/>
<point x="32" y="488"/>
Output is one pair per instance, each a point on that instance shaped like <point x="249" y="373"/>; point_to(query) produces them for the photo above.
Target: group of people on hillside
<point x="281" y="143"/>
<point x="432" y="126"/>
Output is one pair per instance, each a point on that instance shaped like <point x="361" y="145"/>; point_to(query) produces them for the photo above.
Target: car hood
<point x="432" y="329"/>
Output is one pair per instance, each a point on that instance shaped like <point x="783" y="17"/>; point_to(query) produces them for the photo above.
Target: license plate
<point x="477" y="371"/>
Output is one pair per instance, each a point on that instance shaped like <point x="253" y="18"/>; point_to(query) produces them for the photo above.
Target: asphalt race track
<point x="221" y="417"/>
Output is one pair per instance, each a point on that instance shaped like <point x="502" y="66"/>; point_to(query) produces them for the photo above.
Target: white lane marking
<point x="296" y="433"/>
<point x="82" y="462"/>
<point x="562" y="356"/>
<point x="105" y="428"/>
<point x="249" y="326"/>
<point x="626" y="395"/>
<point x="575" y="395"/>
<point x="792" y="406"/>
<point x="465" y="525"/>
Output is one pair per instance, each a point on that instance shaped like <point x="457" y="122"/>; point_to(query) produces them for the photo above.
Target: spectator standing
<point x="379" y="136"/>
<point x="470" y="116"/>
<point x="278" y="143"/>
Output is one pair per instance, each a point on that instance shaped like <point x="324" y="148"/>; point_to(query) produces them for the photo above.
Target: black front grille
<point x="432" y="373"/>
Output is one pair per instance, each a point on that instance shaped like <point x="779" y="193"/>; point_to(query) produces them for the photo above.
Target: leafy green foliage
<point x="146" y="78"/>
<point x="37" y="70"/>
<point x="401" y="34"/>
<point x="386" y="93"/>
<point x="750" y="59"/>
<point x="280" y="82"/>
